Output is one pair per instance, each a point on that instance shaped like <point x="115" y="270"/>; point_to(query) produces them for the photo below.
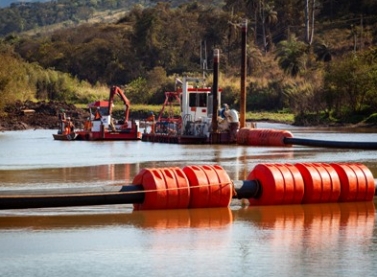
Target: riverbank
<point x="40" y="115"/>
<point x="45" y="115"/>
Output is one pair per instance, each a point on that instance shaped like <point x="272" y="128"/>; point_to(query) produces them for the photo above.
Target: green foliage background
<point x="77" y="49"/>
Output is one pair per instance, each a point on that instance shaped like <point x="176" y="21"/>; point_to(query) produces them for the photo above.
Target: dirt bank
<point x="41" y="115"/>
<point x="44" y="115"/>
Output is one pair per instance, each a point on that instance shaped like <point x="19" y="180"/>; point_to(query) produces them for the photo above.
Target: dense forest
<point x="308" y="57"/>
<point x="24" y="15"/>
<point x="7" y="3"/>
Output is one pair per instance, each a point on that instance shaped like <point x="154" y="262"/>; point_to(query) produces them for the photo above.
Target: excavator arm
<point x="117" y="91"/>
<point x="169" y="99"/>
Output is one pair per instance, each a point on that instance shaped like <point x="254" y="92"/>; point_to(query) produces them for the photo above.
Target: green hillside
<point x="23" y="16"/>
<point x="326" y="69"/>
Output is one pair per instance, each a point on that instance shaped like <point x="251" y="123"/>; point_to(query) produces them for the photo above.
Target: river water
<point x="114" y="240"/>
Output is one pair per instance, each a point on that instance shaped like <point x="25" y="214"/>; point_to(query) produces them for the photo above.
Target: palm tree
<point x="323" y="50"/>
<point x="270" y="18"/>
<point x="290" y="55"/>
<point x="254" y="59"/>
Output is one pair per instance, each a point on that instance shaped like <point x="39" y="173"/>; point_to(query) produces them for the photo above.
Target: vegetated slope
<point x="7" y="3"/>
<point x="23" y="16"/>
<point x="166" y="40"/>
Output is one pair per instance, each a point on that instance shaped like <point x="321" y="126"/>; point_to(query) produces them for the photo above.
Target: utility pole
<point x="243" y="75"/>
<point x="215" y="91"/>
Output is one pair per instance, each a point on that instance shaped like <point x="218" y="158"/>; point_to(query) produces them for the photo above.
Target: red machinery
<point x="102" y="126"/>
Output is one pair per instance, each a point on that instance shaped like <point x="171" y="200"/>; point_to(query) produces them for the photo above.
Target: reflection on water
<point x="119" y="215"/>
<point x="324" y="218"/>
<point x="110" y="174"/>
<point x="314" y="221"/>
<point x="300" y="240"/>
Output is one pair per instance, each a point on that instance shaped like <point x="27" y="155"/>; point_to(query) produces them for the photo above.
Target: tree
<point x="309" y="21"/>
<point x="324" y="51"/>
<point x="254" y="59"/>
<point x="350" y="84"/>
<point x="290" y="55"/>
<point x="269" y="17"/>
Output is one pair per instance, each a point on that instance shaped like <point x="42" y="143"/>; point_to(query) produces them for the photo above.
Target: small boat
<point x="66" y="130"/>
<point x="70" y="136"/>
<point x="102" y="126"/>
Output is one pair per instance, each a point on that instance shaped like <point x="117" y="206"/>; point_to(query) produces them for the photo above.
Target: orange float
<point x="276" y="137"/>
<point x="210" y="186"/>
<point x="330" y="182"/>
<point x="242" y="135"/>
<point x="370" y="188"/>
<point x="254" y="137"/>
<point x="357" y="182"/>
<point x="281" y="184"/>
<point x="298" y="184"/>
<point x="312" y="180"/>
<point x="263" y="137"/>
<point x="284" y="134"/>
<point x="320" y="186"/>
<point x="165" y="188"/>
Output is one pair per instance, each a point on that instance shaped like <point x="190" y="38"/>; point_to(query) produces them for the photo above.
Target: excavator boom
<point x="117" y="91"/>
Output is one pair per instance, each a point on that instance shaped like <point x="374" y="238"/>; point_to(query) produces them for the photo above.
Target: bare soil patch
<point x="40" y="115"/>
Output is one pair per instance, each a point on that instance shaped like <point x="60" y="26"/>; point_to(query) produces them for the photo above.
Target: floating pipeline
<point x="262" y="137"/>
<point x="270" y="137"/>
<point x="331" y="144"/>
<point x="209" y="186"/>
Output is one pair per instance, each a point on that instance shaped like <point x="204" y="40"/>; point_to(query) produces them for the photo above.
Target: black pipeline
<point x="331" y="144"/>
<point x="104" y="195"/>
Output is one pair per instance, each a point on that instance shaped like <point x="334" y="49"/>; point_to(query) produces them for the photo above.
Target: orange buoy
<point x="370" y="188"/>
<point x="165" y="188"/>
<point x="318" y="184"/>
<point x="297" y="183"/>
<point x="256" y="137"/>
<point x="263" y="137"/>
<point x="242" y="135"/>
<point x="279" y="138"/>
<point x="330" y="182"/>
<point x="210" y="186"/>
<point x="357" y="183"/>
<point x="281" y="184"/>
<point x="312" y="182"/>
<point x="253" y="137"/>
<point x="276" y="137"/>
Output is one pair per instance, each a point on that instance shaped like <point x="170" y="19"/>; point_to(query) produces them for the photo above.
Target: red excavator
<point x="102" y="126"/>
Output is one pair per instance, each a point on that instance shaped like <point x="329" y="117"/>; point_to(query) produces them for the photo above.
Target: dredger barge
<point x="197" y="119"/>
